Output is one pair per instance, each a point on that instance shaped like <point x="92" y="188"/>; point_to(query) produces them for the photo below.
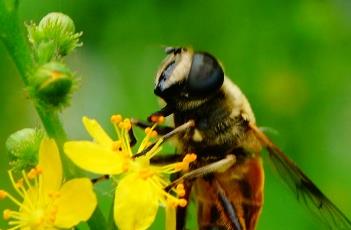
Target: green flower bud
<point x="52" y="85"/>
<point x="23" y="147"/>
<point x="54" y="37"/>
<point x="54" y="21"/>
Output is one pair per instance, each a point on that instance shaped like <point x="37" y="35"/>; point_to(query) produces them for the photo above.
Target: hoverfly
<point x="229" y="195"/>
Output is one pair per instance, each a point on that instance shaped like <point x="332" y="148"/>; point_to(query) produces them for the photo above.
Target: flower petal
<point x="50" y="163"/>
<point x="94" y="158"/>
<point x="76" y="203"/>
<point x="97" y="132"/>
<point x="136" y="203"/>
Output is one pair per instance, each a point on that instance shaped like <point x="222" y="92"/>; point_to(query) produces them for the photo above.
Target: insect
<point x="227" y="180"/>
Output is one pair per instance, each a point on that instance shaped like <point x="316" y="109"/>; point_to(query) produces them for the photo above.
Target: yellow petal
<point x="76" y="203"/>
<point x="136" y="203"/>
<point x="50" y="163"/>
<point x="97" y="132"/>
<point x="94" y="158"/>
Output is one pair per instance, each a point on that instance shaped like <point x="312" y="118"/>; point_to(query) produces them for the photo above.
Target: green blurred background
<point x="291" y="58"/>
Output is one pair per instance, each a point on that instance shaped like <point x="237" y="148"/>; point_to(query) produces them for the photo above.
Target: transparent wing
<point x="306" y="191"/>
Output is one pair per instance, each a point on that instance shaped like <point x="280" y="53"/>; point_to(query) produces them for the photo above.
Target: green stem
<point x="52" y="124"/>
<point x="12" y="35"/>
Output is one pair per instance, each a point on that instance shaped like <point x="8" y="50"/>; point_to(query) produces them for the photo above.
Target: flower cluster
<point x="140" y="184"/>
<point x="53" y="37"/>
<point x="51" y="83"/>
<point x="45" y="202"/>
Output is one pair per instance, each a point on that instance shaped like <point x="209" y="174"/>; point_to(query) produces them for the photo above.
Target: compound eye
<point x="206" y="75"/>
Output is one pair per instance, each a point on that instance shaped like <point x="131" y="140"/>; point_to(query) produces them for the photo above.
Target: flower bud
<point x="22" y="147"/>
<point x="54" y="35"/>
<point x="57" y="21"/>
<point x="52" y="85"/>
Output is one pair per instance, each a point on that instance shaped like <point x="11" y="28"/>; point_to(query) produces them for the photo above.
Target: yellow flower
<point x="46" y="202"/>
<point x="140" y="189"/>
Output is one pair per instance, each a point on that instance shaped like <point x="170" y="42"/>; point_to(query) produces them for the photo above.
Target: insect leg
<point x="166" y="159"/>
<point x="165" y="112"/>
<point x="217" y="166"/>
<point x="132" y="138"/>
<point x="162" y="130"/>
<point x="167" y="136"/>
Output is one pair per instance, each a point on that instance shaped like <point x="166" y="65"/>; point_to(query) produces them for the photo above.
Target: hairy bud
<point x="54" y="37"/>
<point x="23" y="147"/>
<point x="52" y="84"/>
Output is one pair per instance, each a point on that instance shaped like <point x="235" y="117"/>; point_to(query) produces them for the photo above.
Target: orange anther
<point x="190" y="157"/>
<point x="180" y="190"/>
<point x="116" y="118"/>
<point x="147" y="130"/>
<point x="6" y="214"/>
<point x="3" y="194"/>
<point x="180" y="186"/>
<point x="153" y="133"/>
<point x="181" y="193"/>
<point x="182" y="203"/>
<point x="19" y="183"/>
<point x="127" y="124"/>
<point x="39" y="170"/>
<point x="32" y="174"/>
<point x="180" y="166"/>
<point x="160" y="119"/>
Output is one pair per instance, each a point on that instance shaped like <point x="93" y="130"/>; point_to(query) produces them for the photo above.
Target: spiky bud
<point x="52" y="84"/>
<point x="22" y="147"/>
<point x="54" y="37"/>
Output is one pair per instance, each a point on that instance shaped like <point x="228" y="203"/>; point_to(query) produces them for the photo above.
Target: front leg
<point x="167" y="136"/>
<point x="160" y="129"/>
<point x="217" y="166"/>
<point x="164" y="112"/>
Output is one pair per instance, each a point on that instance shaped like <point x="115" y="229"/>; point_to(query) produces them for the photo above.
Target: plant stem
<point x="12" y="35"/>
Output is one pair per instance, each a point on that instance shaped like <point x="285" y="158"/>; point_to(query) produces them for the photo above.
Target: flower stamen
<point x="182" y="203"/>
<point x="116" y="119"/>
<point x="180" y="190"/>
<point x="3" y="194"/>
<point x="19" y="184"/>
<point x="32" y="174"/>
<point x="6" y="214"/>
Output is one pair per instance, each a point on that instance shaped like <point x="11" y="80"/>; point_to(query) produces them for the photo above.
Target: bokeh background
<point x="291" y="58"/>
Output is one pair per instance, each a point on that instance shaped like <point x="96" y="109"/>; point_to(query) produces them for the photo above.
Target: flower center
<point x="37" y="209"/>
<point x="36" y="218"/>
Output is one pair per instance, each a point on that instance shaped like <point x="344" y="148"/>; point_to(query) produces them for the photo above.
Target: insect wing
<point x="306" y="191"/>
